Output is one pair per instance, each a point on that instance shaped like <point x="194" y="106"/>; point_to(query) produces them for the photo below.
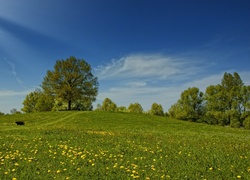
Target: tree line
<point x="226" y="104"/>
<point x="109" y="105"/>
<point x="72" y="86"/>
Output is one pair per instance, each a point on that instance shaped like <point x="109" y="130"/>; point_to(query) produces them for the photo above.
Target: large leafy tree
<point x="225" y="101"/>
<point x="72" y="81"/>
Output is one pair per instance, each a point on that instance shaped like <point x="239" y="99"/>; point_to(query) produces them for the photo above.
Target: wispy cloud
<point x="13" y="72"/>
<point x="148" y="66"/>
<point x="5" y="93"/>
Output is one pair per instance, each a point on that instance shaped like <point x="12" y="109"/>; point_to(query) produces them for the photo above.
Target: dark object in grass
<point x="19" y="123"/>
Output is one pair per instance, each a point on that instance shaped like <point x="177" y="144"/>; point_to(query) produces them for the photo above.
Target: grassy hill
<point x="104" y="145"/>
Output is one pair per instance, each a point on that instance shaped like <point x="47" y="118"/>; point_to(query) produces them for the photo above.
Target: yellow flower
<point x="58" y="171"/>
<point x="211" y="169"/>
<point x="239" y="177"/>
<point x="49" y="171"/>
<point x="14" y="178"/>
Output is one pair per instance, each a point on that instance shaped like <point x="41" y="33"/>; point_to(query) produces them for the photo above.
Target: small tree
<point x="71" y="80"/>
<point x="135" y="108"/>
<point x="108" y="105"/>
<point x="122" y="109"/>
<point x="156" y="109"/>
<point x="14" y="111"/>
<point x="1" y="113"/>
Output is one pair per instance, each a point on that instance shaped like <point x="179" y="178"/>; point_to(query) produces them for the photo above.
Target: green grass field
<point x="103" y="145"/>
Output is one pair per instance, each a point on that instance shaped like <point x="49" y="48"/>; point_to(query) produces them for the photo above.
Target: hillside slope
<point x="105" y="145"/>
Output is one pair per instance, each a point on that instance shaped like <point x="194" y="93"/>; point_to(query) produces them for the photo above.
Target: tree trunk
<point x="69" y="105"/>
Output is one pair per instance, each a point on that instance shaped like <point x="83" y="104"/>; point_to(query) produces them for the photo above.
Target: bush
<point x="156" y="109"/>
<point x="246" y="123"/>
<point x="135" y="108"/>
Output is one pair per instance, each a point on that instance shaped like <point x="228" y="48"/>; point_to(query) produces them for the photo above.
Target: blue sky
<point x="141" y="51"/>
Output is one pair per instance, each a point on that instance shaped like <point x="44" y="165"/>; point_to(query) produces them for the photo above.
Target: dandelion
<point x="210" y="168"/>
<point x="14" y="178"/>
<point x="6" y="172"/>
<point x="49" y="171"/>
<point x="239" y="177"/>
<point x="58" y="171"/>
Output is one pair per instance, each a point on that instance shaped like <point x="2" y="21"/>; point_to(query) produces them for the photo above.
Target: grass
<point x="104" y="145"/>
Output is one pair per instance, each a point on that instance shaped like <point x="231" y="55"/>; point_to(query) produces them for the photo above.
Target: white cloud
<point x="148" y="66"/>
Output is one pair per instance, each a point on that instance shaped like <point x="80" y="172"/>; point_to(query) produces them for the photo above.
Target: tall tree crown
<point x="71" y="80"/>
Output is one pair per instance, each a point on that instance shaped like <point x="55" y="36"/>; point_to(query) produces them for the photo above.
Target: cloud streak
<point x="148" y="66"/>
<point x="13" y="72"/>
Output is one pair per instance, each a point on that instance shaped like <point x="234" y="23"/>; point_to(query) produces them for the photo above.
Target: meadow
<point x="106" y="145"/>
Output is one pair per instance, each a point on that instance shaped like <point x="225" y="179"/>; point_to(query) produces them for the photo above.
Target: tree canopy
<point x="135" y="108"/>
<point x="71" y="81"/>
<point x="227" y="103"/>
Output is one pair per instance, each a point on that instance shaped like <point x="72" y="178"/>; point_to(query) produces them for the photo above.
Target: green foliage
<point x="135" y="108"/>
<point x="156" y="109"/>
<point x="226" y="104"/>
<point x="1" y="113"/>
<point x="190" y="106"/>
<point x="247" y="123"/>
<point x="71" y="80"/>
<point x="108" y="105"/>
<point x="103" y="145"/>
<point x="226" y="101"/>
<point x="122" y="109"/>
<point x="37" y="101"/>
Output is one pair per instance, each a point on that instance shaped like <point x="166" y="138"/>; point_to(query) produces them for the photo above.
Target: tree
<point x="225" y="101"/>
<point x="1" y="113"/>
<point x="122" y="109"/>
<point x="108" y="105"/>
<point x="14" y="111"/>
<point x="156" y="109"/>
<point x="37" y="101"/>
<point x="190" y="106"/>
<point x="135" y="108"/>
<point x="71" y="80"/>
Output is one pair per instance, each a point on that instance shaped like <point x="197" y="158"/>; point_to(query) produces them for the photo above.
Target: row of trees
<point x="227" y="103"/>
<point x="109" y="105"/>
<point x="70" y="86"/>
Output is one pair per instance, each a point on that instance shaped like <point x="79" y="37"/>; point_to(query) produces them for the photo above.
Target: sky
<point x="142" y="51"/>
